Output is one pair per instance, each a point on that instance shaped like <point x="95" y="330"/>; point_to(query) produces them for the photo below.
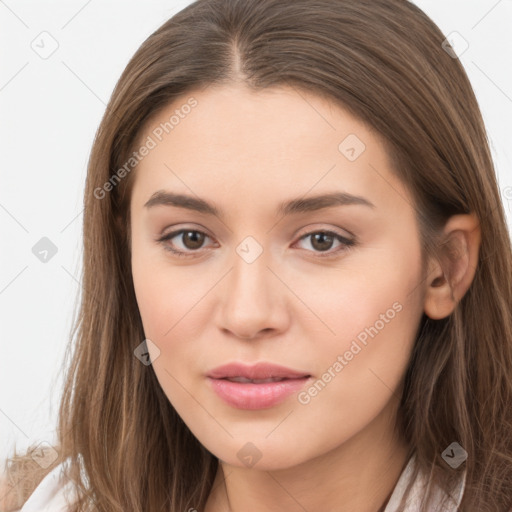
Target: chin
<point x="260" y="453"/>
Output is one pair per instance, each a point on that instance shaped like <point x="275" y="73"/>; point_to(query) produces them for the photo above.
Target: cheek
<point x="164" y="304"/>
<point x="374" y="313"/>
<point x="376" y="318"/>
<point x="164" y="300"/>
<point x="370" y="291"/>
<point x="171" y="301"/>
<point x="358" y="372"/>
<point x="160" y="294"/>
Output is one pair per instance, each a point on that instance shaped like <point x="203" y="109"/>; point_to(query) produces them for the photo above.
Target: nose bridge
<point x="250" y="276"/>
<point x="249" y="302"/>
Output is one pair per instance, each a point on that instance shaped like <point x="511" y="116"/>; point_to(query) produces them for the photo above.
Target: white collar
<point x="418" y="491"/>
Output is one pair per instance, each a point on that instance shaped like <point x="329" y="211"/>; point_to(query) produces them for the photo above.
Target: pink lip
<point x="261" y="370"/>
<point x="254" y="395"/>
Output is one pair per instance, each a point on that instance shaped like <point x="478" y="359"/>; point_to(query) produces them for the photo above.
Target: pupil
<point x="323" y="236"/>
<point x="197" y="239"/>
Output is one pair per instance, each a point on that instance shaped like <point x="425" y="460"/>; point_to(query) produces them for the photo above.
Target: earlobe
<point x="451" y="275"/>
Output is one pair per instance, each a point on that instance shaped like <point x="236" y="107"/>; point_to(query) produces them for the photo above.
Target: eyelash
<point x="346" y="243"/>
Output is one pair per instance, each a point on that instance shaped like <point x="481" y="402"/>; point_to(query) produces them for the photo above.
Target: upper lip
<point x="262" y="370"/>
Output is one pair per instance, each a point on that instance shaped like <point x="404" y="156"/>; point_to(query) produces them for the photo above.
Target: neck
<point x="358" y="475"/>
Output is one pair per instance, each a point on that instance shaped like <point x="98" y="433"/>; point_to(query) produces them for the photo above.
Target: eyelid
<point x="317" y="227"/>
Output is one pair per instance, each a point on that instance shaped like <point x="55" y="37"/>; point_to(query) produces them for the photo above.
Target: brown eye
<point x="192" y="239"/>
<point x="322" y="241"/>
<point x="189" y="242"/>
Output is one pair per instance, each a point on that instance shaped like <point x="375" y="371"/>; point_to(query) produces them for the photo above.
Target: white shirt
<point x="418" y="492"/>
<point x="55" y="493"/>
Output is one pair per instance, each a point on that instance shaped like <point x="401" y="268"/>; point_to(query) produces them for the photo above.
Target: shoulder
<point x="55" y="493"/>
<point x="7" y="501"/>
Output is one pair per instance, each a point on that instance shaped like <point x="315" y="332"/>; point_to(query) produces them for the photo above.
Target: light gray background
<point x="50" y="109"/>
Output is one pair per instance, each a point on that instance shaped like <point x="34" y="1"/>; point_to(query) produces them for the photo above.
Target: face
<point x="328" y="288"/>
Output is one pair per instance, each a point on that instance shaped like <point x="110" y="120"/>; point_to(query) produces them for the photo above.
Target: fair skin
<point x="246" y="152"/>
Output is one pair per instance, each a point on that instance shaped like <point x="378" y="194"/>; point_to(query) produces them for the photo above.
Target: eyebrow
<point x="286" y="208"/>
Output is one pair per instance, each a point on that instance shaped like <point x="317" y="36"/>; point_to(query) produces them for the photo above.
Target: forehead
<point x="274" y="143"/>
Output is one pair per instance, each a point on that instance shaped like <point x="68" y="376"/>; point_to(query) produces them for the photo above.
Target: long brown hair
<point x="384" y="61"/>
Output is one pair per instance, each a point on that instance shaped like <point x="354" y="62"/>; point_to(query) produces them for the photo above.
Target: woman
<point x="297" y="289"/>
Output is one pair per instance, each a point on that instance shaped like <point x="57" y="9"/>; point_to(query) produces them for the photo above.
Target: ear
<point x="450" y="278"/>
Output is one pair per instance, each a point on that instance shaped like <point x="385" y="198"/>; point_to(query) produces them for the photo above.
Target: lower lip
<point x="256" y="396"/>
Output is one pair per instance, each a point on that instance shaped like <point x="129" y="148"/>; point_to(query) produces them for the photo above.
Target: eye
<point x="322" y="242"/>
<point x="192" y="240"/>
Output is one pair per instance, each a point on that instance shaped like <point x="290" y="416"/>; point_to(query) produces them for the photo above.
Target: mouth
<point x="262" y="371"/>
<point x="259" y="386"/>
<point x="256" y="394"/>
<point x="245" y="380"/>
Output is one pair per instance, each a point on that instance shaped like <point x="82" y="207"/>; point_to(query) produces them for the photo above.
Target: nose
<point x="253" y="300"/>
